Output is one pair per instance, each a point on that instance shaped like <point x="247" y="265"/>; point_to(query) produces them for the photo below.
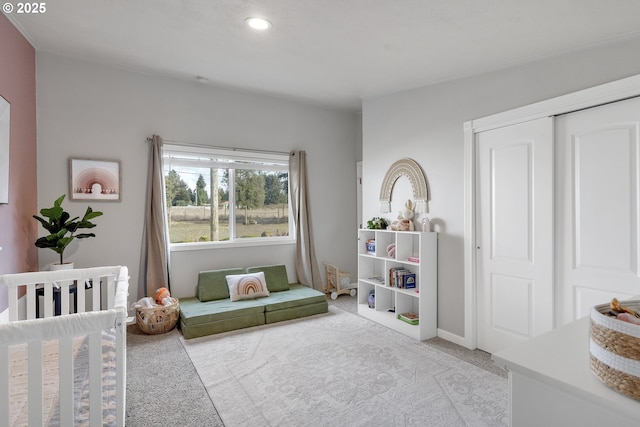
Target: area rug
<point x="341" y="369"/>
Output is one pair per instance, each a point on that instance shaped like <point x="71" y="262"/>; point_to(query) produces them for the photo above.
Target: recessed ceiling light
<point x="258" y="23"/>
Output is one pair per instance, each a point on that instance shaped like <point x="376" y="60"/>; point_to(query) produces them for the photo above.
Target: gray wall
<point x="88" y="110"/>
<point x="426" y="125"/>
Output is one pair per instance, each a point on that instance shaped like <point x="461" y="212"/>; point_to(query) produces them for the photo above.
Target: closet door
<point x="514" y="233"/>
<point x="597" y="207"/>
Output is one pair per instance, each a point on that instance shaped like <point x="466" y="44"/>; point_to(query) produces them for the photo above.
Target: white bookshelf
<point x="373" y="274"/>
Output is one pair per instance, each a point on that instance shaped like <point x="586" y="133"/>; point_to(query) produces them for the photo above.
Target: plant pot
<point x="57" y="266"/>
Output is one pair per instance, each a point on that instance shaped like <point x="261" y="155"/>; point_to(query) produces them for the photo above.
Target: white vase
<point x="57" y="266"/>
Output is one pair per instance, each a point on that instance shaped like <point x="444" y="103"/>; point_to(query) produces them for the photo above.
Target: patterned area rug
<point x="341" y="369"/>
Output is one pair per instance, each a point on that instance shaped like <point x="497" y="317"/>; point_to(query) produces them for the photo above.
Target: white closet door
<point x="514" y="223"/>
<point x="597" y="207"/>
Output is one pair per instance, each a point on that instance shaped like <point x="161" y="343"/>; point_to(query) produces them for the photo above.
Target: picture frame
<point x="94" y="179"/>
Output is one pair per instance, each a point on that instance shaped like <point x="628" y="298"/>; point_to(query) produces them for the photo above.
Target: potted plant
<point x="62" y="228"/>
<point x="377" y="223"/>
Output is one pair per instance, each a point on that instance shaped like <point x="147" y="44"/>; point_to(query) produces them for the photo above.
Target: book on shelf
<point x="377" y="279"/>
<point x="393" y="276"/>
<point x="409" y="280"/>
<point x="402" y="278"/>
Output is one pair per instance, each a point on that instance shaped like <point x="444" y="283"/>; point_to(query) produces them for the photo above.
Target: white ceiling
<point x="332" y="52"/>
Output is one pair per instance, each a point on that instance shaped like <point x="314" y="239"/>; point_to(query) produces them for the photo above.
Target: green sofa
<point x="211" y="311"/>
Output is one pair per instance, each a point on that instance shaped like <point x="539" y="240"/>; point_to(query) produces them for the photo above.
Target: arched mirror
<point x="412" y="171"/>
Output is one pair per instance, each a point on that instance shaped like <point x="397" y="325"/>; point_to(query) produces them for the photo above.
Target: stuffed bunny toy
<point x="405" y="218"/>
<point x="406" y="223"/>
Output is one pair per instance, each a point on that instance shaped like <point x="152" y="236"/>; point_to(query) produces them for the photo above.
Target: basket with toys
<point x="615" y="346"/>
<point x="159" y="314"/>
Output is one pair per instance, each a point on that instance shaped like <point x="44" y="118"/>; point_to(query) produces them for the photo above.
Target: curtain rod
<point x="189" y="144"/>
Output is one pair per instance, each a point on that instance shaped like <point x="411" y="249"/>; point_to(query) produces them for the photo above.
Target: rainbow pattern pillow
<point x="247" y="286"/>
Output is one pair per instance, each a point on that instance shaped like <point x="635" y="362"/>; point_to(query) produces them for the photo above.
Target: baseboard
<point x="456" y="339"/>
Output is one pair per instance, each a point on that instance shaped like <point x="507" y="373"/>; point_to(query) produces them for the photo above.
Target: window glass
<point x="216" y="195"/>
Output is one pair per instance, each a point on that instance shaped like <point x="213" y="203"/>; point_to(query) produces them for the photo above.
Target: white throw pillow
<point x="247" y="286"/>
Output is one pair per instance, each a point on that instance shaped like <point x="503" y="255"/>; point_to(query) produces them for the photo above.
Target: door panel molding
<point x="512" y="295"/>
<point x="618" y="178"/>
<point x="508" y="240"/>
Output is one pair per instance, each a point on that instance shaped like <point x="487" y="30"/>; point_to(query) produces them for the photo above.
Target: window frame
<point x="224" y="158"/>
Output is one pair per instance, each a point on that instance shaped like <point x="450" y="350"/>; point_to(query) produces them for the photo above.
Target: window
<point x="225" y="195"/>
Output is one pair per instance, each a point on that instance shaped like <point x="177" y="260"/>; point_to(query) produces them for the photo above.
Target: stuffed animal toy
<point x="371" y="299"/>
<point x="406" y="223"/>
<point x="161" y="294"/>
<point x="146" y="302"/>
<point x="405" y="218"/>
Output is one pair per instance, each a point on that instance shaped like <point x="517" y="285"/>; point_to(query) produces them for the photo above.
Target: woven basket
<point x="615" y="350"/>
<point x="158" y="320"/>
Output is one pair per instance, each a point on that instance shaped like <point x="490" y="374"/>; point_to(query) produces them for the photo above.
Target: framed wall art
<point x="94" y="180"/>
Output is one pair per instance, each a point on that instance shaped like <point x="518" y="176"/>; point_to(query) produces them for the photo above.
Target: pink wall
<point x="18" y="230"/>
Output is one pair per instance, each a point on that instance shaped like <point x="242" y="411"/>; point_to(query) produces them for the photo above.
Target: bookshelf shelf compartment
<point x="375" y="272"/>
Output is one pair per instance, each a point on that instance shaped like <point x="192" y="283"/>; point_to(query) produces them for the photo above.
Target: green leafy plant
<point x="62" y="228"/>
<point x="377" y="223"/>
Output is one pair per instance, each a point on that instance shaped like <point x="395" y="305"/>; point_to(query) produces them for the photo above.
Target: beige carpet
<point x="341" y="369"/>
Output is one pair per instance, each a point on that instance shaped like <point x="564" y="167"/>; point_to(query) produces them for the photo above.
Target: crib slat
<point x="65" y="348"/>
<point x="95" y="304"/>
<point x="13" y="303"/>
<point x="5" y="374"/>
<point x="80" y="285"/>
<point x="64" y="298"/>
<point x="96" y="290"/>
<point x="48" y="300"/>
<point x="31" y="301"/>
<point x="111" y="291"/>
<point x="34" y="381"/>
<point x="95" y="378"/>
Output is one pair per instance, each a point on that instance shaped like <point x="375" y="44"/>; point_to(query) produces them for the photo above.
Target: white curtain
<point x="154" y="260"/>
<point x="307" y="270"/>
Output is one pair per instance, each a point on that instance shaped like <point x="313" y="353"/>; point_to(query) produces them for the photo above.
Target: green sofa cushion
<point x="212" y="284"/>
<point x="275" y="276"/>
<point x="219" y="326"/>
<point x="296" y="296"/>
<point x="296" y="312"/>
<point x="195" y="312"/>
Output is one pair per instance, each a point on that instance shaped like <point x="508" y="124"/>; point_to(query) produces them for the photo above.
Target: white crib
<point x="67" y="369"/>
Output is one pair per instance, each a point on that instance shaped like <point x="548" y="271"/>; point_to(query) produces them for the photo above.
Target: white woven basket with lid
<point x="615" y="350"/>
